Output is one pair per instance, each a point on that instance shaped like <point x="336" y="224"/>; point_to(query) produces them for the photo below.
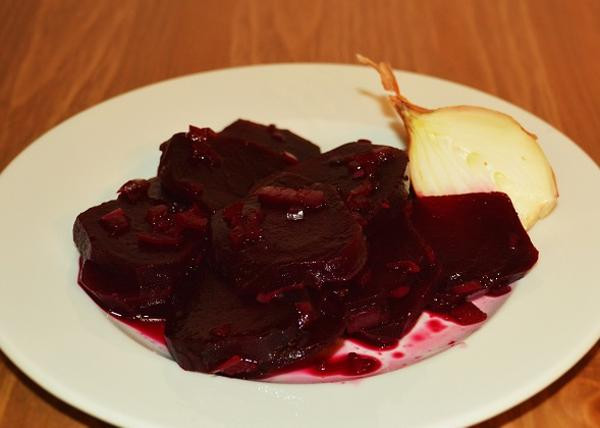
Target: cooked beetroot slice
<point x="212" y="329"/>
<point x="115" y="222"/>
<point x="289" y="197"/>
<point x="261" y="250"/>
<point x="371" y="179"/>
<point x="158" y="216"/>
<point x="201" y="151"/>
<point x="213" y="170"/>
<point x="386" y="299"/>
<point x="290" y="145"/>
<point x="479" y="243"/>
<point x="159" y="240"/>
<point x="192" y="219"/>
<point x="133" y="190"/>
<point x="121" y="296"/>
<point x="135" y="269"/>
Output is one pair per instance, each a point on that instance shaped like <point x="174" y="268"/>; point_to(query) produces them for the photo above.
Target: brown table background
<point x="60" y="57"/>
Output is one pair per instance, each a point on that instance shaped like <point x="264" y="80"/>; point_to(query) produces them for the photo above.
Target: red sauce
<point x="367" y="345"/>
<point x="350" y="364"/>
<point x="418" y="337"/>
<point x="465" y="314"/>
<point x="152" y="329"/>
<point x="435" y="325"/>
<point x="496" y="292"/>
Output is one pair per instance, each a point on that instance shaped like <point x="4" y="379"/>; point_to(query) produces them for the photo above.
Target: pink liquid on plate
<point x="354" y="358"/>
<point x="350" y="364"/>
<point x="154" y="330"/>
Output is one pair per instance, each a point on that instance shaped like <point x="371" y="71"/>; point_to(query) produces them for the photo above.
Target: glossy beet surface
<point x="263" y="254"/>
<point x="387" y="297"/>
<point x="290" y="233"/>
<point x="370" y="179"/>
<point x="118" y="295"/>
<point x="281" y="141"/>
<point x="213" y="171"/>
<point x="214" y="330"/>
<point x="479" y="244"/>
<point x="134" y="249"/>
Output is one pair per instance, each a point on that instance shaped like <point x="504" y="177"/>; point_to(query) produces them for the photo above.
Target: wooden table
<point x="60" y="57"/>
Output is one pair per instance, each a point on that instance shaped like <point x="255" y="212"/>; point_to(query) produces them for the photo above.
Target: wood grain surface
<point x="60" y="57"/>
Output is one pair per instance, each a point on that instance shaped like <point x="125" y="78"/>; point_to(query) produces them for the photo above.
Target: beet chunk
<point x="479" y="243"/>
<point x="370" y="179"/>
<point x="119" y="295"/>
<point x="212" y="329"/>
<point x="270" y="246"/>
<point x="134" y="249"/>
<point x="387" y="297"/>
<point x="282" y="141"/>
<point x="289" y="197"/>
<point x="213" y="171"/>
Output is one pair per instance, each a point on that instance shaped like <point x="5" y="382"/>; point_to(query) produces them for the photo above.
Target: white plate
<point x="55" y="334"/>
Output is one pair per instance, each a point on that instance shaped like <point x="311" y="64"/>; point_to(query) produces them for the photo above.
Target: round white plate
<point x="55" y="334"/>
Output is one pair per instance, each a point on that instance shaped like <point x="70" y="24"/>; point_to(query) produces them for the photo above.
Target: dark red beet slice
<point x="479" y="243"/>
<point x="212" y="329"/>
<point x="386" y="299"/>
<point x="120" y="296"/>
<point x="371" y="179"/>
<point x="289" y="197"/>
<point x="288" y="144"/>
<point x="211" y="170"/>
<point x="137" y="189"/>
<point x="267" y="247"/>
<point x="134" y="249"/>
